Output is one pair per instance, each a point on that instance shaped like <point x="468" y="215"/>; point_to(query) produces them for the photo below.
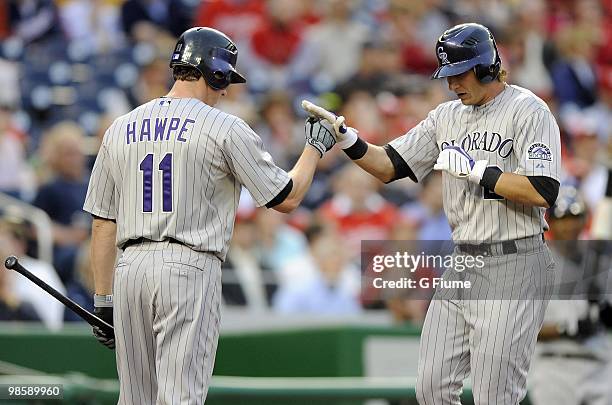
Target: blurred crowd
<point x="70" y="67"/>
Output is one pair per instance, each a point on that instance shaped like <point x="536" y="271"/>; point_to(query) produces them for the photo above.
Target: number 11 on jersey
<point x="146" y="166"/>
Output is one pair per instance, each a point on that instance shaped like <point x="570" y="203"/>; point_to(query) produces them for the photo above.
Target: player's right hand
<point x="107" y="338"/>
<point x="319" y="134"/>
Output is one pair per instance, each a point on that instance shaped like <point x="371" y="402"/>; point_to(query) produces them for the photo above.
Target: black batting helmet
<point x="569" y="203"/>
<point x="212" y="53"/>
<point x="464" y="47"/>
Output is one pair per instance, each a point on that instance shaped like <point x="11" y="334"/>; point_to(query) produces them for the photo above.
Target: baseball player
<point x="165" y="187"/>
<point x="498" y="148"/>
<point x="573" y="362"/>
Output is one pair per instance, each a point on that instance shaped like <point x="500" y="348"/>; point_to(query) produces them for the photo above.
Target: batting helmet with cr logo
<point x="464" y="47"/>
<point x="211" y="52"/>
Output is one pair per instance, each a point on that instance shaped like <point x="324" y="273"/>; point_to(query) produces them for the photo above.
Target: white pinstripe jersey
<point x="516" y="132"/>
<point x="174" y="167"/>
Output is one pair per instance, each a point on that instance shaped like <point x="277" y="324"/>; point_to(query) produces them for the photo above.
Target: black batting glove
<point x="320" y="134"/>
<point x="103" y="309"/>
<point x="584" y="330"/>
<point x="605" y="314"/>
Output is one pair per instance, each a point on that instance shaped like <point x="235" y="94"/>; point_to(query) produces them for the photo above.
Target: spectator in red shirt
<point x="4" y="20"/>
<point x="276" y="38"/>
<point x="237" y="18"/>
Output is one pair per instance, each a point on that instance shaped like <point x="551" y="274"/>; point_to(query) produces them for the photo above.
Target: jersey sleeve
<point x="418" y="146"/>
<point x="100" y="199"/>
<point x="252" y="165"/>
<point x="538" y="146"/>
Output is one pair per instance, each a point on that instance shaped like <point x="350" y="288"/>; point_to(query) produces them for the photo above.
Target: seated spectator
<point x="81" y="288"/>
<point x="414" y="25"/>
<point x="16" y="177"/>
<point x="278" y="242"/>
<point x="357" y="209"/>
<point x="572" y="364"/>
<point x="378" y="66"/>
<point x="584" y="165"/>
<point x="279" y="129"/>
<point x="362" y="111"/>
<point x="405" y="304"/>
<point x="152" y="82"/>
<point x="333" y="285"/>
<point x="33" y="20"/>
<point x="237" y="18"/>
<point x="573" y="75"/>
<point x="320" y="58"/>
<point x="428" y="210"/>
<point x="96" y="24"/>
<point x="320" y="190"/>
<point x="4" y="20"/>
<point x="274" y="43"/>
<point x="527" y="47"/>
<point x="239" y="102"/>
<point x="276" y="38"/>
<point x="62" y="196"/>
<point x="246" y="278"/>
<point x="11" y="307"/>
<point x="143" y="19"/>
<point x="48" y="309"/>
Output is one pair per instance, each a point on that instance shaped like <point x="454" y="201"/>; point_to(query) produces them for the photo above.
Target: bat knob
<point x="10" y="262"/>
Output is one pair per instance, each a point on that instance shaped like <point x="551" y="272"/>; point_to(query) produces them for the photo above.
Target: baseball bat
<point x="321" y="113"/>
<point x="12" y="263"/>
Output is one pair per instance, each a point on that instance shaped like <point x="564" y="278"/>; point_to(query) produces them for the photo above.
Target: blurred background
<point x="293" y="302"/>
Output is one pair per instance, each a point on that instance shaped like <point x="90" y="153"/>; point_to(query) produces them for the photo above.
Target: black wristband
<point x="357" y="150"/>
<point x="490" y="177"/>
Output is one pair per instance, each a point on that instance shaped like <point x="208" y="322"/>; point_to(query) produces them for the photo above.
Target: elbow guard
<point x="280" y="197"/>
<point x="400" y="166"/>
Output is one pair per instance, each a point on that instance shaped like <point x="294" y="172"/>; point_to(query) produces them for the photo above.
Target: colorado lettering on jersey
<point x="487" y="141"/>
<point x="159" y="129"/>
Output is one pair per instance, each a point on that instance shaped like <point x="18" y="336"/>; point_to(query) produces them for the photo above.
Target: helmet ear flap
<point x="218" y="79"/>
<point x="486" y="74"/>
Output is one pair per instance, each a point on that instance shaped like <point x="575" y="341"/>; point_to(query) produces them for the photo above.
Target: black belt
<point x="132" y="242"/>
<point x="507" y="247"/>
<point x="581" y="356"/>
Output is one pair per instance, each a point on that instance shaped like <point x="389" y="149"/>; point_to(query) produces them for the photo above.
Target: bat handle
<point x="342" y="129"/>
<point x="11" y="262"/>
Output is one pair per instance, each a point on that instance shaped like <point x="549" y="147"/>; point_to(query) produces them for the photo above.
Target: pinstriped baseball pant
<point x="488" y="332"/>
<point x="166" y="316"/>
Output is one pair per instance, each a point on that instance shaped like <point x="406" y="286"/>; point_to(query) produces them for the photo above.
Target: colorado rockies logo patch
<point x="539" y="151"/>
<point x="443" y="56"/>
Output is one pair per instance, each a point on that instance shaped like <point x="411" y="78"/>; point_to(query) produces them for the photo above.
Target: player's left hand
<point x="460" y="164"/>
<point x="104" y="310"/>
<point x="319" y="134"/>
<point x="345" y="136"/>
